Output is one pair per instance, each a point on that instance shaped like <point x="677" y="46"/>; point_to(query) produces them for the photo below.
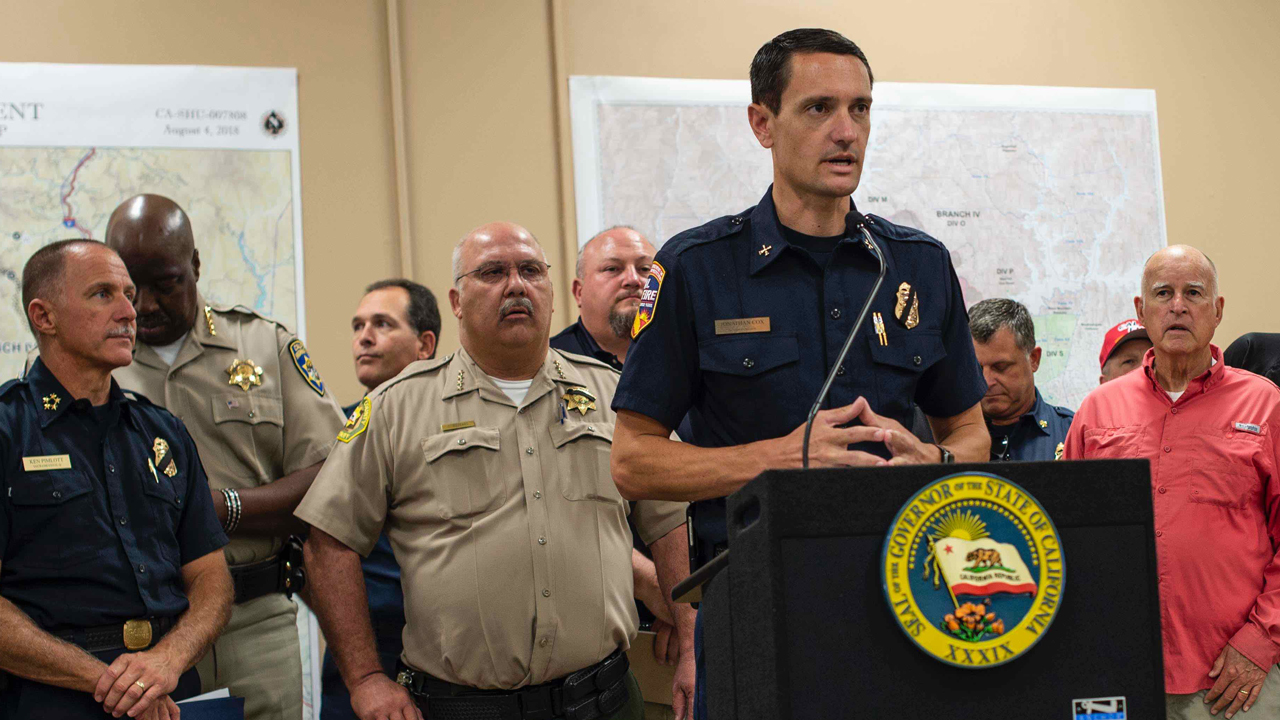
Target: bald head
<point x="153" y="236"/>
<point x="1163" y="261"/>
<point x="486" y="235"/>
<point x="612" y="269"/>
<point x="618" y="235"/>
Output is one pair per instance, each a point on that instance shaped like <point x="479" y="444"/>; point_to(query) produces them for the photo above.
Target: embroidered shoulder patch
<point x="648" y="299"/>
<point x="302" y="361"/>
<point x="357" y="423"/>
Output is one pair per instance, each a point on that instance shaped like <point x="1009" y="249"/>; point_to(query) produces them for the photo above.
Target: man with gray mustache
<point x="113" y="582"/>
<point x="488" y="470"/>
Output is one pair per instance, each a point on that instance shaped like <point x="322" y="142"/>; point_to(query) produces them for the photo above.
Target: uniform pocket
<point x="250" y="427"/>
<point x="582" y="453"/>
<point x="51" y="509"/>
<point x="464" y="475"/>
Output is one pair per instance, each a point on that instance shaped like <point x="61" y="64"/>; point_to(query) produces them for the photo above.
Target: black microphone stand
<point x="852" y="219"/>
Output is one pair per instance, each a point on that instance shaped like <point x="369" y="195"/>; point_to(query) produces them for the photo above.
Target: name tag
<point x="46" y="462"/>
<point x="447" y="427"/>
<point x="742" y="326"/>
<point x="1249" y="428"/>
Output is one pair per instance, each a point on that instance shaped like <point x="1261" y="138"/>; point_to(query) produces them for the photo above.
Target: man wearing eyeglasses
<point x="489" y="471"/>
<point x="1022" y="425"/>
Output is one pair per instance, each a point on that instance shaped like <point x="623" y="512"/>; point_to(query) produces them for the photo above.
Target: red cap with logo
<point x="1118" y="335"/>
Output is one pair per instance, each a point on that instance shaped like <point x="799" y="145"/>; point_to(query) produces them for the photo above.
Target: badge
<point x="578" y="398"/>
<point x="973" y="570"/>
<point x="36" y="463"/>
<point x="51" y="401"/>
<point x="161" y="450"/>
<point x="741" y="326"/>
<point x="648" y="299"/>
<point x="245" y="374"/>
<point x="907" y="297"/>
<point x="357" y="423"/>
<point x="1044" y="424"/>
<point x="302" y="361"/>
<point x="1059" y="451"/>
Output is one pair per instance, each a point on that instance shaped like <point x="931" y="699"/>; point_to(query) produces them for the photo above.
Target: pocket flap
<point x="748" y="356"/>
<point x="909" y="350"/>
<point x="48" y="487"/>
<point x="247" y="408"/>
<point x="568" y="432"/>
<point x="437" y="446"/>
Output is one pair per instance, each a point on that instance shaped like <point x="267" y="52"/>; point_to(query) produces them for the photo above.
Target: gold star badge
<point x="245" y="374"/>
<point x="578" y="398"/>
<point x="51" y="401"/>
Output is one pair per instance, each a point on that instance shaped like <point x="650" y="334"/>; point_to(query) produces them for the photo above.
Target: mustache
<point x="125" y="331"/>
<point x="518" y="302"/>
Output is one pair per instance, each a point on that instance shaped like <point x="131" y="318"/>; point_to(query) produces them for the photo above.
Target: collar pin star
<point x="51" y="401"/>
<point x="559" y="370"/>
<point x="460" y="374"/>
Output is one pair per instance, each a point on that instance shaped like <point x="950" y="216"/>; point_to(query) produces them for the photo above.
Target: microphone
<point x="853" y="219"/>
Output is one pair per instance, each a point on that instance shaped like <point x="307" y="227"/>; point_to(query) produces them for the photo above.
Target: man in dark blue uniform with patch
<point x="1023" y="426"/>
<point x="742" y="318"/>
<point x="112" y="578"/>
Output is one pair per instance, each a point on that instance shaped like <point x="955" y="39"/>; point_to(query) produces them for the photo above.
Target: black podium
<point x="797" y="625"/>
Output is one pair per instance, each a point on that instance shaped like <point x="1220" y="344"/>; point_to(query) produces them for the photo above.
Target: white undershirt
<point x="169" y="353"/>
<point x="1175" y="395"/>
<point x="515" y="389"/>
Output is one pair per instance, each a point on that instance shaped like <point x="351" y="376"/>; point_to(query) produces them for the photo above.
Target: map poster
<point x="77" y="140"/>
<point x="1050" y="196"/>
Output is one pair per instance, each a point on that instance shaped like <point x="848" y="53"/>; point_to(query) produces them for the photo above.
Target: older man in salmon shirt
<point x="1212" y="434"/>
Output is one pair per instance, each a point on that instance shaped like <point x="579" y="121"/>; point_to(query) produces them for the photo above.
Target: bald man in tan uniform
<point x="263" y="423"/>
<point x="490" y="471"/>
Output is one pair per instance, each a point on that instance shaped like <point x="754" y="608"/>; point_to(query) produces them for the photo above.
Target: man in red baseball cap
<point x="1122" y="349"/>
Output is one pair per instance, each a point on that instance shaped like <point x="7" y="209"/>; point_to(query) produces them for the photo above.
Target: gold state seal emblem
<point x="973" y="570"/>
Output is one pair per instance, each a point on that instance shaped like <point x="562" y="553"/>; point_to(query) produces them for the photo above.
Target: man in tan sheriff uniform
<point x="490" y="470"/>
<point x="263" y="424"/>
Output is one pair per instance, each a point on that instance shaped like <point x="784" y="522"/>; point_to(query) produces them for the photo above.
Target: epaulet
<point x="585" y="360"/>
<point x="413" y="369"/>
<point x="11" y="386"/>
<point x="1063" y="412"/>
<point x="718" y="229"/>
<point x="245" y="310"/>
<point x="902" y="233"/>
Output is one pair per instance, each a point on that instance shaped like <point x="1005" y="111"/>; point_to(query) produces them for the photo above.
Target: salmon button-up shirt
<point x="1216" y="495"/>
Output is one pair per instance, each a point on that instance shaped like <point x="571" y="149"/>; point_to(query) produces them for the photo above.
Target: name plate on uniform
<point x="742" y="326"/>
<point x="46" y="462"/>
<point x="450" y="427"/>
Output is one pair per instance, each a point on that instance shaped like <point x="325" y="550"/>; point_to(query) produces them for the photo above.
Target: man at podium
<point x="741" y="319"/>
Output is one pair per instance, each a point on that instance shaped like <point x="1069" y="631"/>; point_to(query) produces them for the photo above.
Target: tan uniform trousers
<point x="1192" y="707"/>
<point x="258" y="658"/>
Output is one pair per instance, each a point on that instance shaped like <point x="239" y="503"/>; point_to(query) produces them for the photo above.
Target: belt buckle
<point x="137" y="634"/>
<point x="405" y="679"/>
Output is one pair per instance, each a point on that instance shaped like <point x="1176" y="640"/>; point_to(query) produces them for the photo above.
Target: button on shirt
<point x="740" y="387"/>
<point x="98" y="537"/>
<point x="247" y="438"/>
<point x="1036" y="435"/>
<point x="511" y="536"/>
<point x="1216" y="496"/>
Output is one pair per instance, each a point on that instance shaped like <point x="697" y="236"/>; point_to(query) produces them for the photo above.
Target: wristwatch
<point x="947" y="457"/>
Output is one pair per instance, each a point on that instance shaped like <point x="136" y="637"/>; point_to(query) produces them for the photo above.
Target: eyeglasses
<point x="492" y="273"/>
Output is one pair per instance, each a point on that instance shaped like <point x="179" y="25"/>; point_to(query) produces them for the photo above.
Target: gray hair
<point x="989" y="316"/>
<point x="581" y="270"/>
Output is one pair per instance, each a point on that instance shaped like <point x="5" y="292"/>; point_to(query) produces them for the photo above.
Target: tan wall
<point x="483" y="121"/>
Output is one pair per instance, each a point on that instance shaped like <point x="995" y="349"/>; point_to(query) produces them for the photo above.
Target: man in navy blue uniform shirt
<point x="112" y="579"/>
<point x="742" y="318"/>
<point x="1022" y="425"/>
<point x="396" y="323"/>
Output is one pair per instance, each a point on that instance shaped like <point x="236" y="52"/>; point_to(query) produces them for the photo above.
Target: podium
<point x="797" y="624"/>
